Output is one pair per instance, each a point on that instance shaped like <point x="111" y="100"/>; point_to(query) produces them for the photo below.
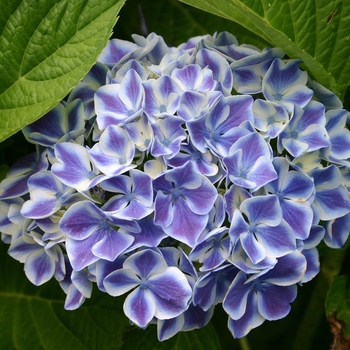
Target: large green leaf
<point x="46" y="47"/>
<point x="318" y="32"/>
<point x="199" y="339"/>
<point x="34" y="317"/>
<point x="337" y="304"/>
<point x="176" y="22"/>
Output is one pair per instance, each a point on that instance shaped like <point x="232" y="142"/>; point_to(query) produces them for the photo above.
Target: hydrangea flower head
<point x="184" y="177"/>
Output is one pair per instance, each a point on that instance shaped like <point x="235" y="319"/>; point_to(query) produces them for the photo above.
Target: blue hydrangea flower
<point x="193" y="318"/>
<point x="194" y="78"/>
<point x="212" y="252"/>
<point x="269" y="118"/>
<point x="222" y="72"/>
<point x="114" y="153"/>
<point x="93" y="234"/>
<point x="11" y="220"/>
<point x="15" y="183"/>
<point x="41" y="261"/>
<point x="194" y="105"/>
<point x="249" y="162"/>
<point x="184" y="199"/>
<point x="158" y="290"/>
<point x="211" y="287"/>
<point x="337" y="231"/>
<point x="119" y="103"/>
<point x="331" y="199"/>
<point x="140" y="133"/>
<point x="293" y="189"/>
<point x="63" y="123"/>
<point x="249" y="301"/>
<point x="168" y="135"/>
<point x="77" y="286"/>
<point x="47" y="195"/>
<point x="250" y="66"/>
<point x="285" y="84"/>
<point x="132" y="195"/>
<point x="74" y="167"/>
<point x="339" y="135"/>
<point x="306" y="130"/>
<point x="205" y="163"/>
<point x="264" y="233"/>
<point x="217" y="130"/>
<point x="85" y="90"/>
<point x="162" y="97"/>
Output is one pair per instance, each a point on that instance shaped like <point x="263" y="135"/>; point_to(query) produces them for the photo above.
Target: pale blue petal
<point x="121" y="281"/>
<point x="236" y="299"/>
<point x="171" y="292"/>
<point x="299" y="216"/>
<point x="274" y="301"/>
<point x="278" y="240"/>
<point x="39" y="267"/>
<point x="81" y="220"/>
<point x="112" y="244"/>
<point x="262" y="210"/>
<point x="140" y="307"/>
<point x="186" y="225"/>
<point x="250" y="320"/>
<point x="312" y="264"/>
<point x="145" y="263"/>
<point x="289" y="270"/>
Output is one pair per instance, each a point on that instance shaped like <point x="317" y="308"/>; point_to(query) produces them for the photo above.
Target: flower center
<point x="294" y="134"/>
<point x="144" y="284"/>
<point x="176" y="193"/>
<point x="278" y="96"/>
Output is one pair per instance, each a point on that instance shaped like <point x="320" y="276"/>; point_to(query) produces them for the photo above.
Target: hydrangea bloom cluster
<point x="183" y="177"/>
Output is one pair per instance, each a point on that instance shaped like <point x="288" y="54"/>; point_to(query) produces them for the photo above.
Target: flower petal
<point x="140" y="307"/>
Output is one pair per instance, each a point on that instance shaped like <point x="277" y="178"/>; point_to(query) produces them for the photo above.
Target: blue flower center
<point x="270" y="120"/>
<point x="162" y="108"/>
<point x="243" y="174"/>
<point x="253" y="229"/>
<point x="128" y="197"/>
<point x="176" y="193"/>
<point x="294" y="134"/>
<point x="144" y="284"/>
<point x="58" y="194"/>
<point x="217" y="243"/>
<point x="122" y="160"/>
<point x="104" y="225"/>
<point x="278" y="96"/>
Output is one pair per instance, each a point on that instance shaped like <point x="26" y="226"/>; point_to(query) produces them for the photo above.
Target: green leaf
<point x="34" y="317"/>
<point x="338" y="303"/>
<point x="46" y="47"/>
<point x="200" y="339"/>
<point x="315" y="31"/>
<point x="176" y="22"/>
